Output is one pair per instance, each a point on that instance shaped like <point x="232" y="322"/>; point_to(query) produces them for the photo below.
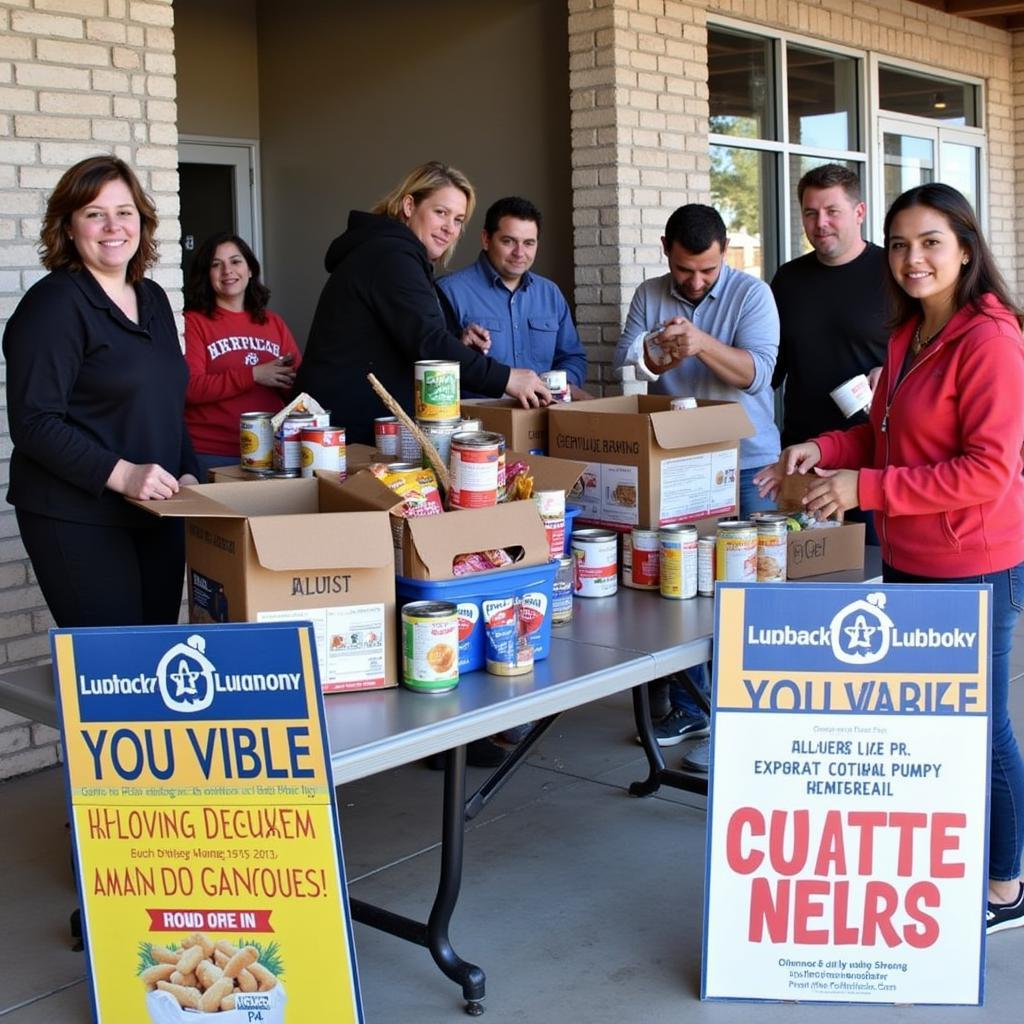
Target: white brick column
<point x="77" y="78"/>
<point x="638" y="95"/>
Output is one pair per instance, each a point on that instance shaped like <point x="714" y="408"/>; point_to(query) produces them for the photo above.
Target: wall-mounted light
<point x="939" y="101"/>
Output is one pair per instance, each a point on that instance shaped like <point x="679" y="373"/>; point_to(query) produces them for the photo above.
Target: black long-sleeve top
<point x="379" y="313"/>
<point x="86" y="387"/>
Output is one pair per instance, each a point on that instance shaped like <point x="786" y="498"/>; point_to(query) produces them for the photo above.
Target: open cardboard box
<point x="525" y="430"/>
<point x="428" y="545"/>
<point x="816" y="551"/>
<point x="650" y="465"/>
<point x="288" y="550"/>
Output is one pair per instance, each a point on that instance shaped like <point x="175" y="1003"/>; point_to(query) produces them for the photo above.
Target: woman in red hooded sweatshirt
<point x="939" y="462"/>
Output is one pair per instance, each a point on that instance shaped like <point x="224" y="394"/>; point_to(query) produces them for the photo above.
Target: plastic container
<point x="532" y="585"/>
<point x="571" y="512"/>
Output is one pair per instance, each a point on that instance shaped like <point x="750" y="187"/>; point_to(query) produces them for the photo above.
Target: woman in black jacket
<point x="380" y="312"/>
<point x="95" y="397"/>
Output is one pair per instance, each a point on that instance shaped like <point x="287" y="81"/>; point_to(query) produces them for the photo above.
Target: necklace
<point x="917" y="343"/>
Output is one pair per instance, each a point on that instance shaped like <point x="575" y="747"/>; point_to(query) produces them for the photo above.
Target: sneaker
<point x="516" y="734"/>
<point x="1001" y="916"/>
<point x="679" y="725"/>
<point x="698" y="757"/>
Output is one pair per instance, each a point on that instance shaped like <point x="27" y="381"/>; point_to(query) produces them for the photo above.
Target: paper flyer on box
<point x="848" y="795"/>
<point x="206" y="836"/>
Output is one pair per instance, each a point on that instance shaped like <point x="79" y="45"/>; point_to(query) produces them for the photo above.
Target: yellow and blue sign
<point x="848" y="795"/>
<point x="206" y="837"/>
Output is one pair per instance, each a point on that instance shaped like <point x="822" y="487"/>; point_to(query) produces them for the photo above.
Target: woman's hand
<point x="144" y="482"/>
<point x="836" y="491"/>
<point x="528" y="388"/>
<point x="797" y="458"/>
<point x="475" y="336"/>
<point x="275" y="374"/>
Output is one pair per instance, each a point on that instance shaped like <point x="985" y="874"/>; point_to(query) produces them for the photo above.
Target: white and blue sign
<point x="848" y="799"/>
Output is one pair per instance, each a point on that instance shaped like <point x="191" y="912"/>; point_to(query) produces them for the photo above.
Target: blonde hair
<point x="421" y="183"/>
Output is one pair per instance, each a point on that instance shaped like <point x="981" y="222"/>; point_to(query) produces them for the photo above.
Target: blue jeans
<point x="1006" y="828"/>
<point x="678" y="697"/>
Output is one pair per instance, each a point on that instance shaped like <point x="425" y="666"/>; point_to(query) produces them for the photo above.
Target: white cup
<point x="852" y="396"/>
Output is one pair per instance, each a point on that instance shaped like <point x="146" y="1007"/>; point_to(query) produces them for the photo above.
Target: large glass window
<point x="741" y="73"/>
<point x="822" y="98"/>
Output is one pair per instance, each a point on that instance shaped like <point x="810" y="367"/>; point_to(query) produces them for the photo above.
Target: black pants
<point x="107" y="575"/>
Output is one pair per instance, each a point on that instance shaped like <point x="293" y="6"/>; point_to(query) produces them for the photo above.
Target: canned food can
<point x="644" y="570"/>
<point x="557" y="382"/>
<point x="508" y="650"/>
<point x="385" y="435"/>
<point x="287" y="446"/>
<point x="437" y="390"/>
<point x="683" y="403"/>
<point x="596" y="556"/>
<point x="706" y="566"/>
<point x="551" y="506"/>
<point x="430" y="646"/>
<point x="474" y="469"/>
<point x="736" y="552"/>
<point x="409" y="448"/>
<point x="561" y="592"/>
<point x="677" y="546"/>
<point x="255" y="440"/>
<point x="439" y="433"/>
<point x="771" y="548"/>
<point x="470" y="426"/>
<point x="323" y="448"/>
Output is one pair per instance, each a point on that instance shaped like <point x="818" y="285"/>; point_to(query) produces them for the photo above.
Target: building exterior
<point x="609" y="113"/>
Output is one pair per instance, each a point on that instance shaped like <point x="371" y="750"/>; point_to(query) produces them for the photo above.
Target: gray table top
<point x="612" y="644"/>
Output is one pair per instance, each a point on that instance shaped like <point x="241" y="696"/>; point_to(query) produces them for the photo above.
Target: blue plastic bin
<point x="469" y="593"/>
<point x="571" y="512"/>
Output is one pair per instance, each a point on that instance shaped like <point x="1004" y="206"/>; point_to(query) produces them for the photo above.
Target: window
<point x="780" y="105"/>
<point x="778" y="108"/>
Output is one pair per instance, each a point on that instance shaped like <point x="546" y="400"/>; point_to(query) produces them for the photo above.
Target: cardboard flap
<point x="709" y="423"/>
<point x="356" y="540"/>
<point x="549" y="474"/>
<point x="362" y="491"/>
<point x="190" y="501"/>
<point x="438" y="539"/>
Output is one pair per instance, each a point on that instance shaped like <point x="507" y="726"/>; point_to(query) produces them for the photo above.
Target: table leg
<point x="658" y="775"/>
<point x="434" y="934"/>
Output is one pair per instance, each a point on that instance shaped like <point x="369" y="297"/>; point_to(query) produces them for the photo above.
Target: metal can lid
<point x="430" y="609"/>
<point x="437" y="362"/>
<point x="678" y="530"/>
<point x="477" y="438"/>
<point x="301" y="417"/>
<point x="593" y="535"/>
<point x="736" y="526"/>
<point x="565" y="561"/>
<point x="255" y="416"/>
<point x="386" y="419"/>
<point x="642" y="533"/>
<point x="768" y="517"/>
<point x="286" y="474"/>
<point x="708" y="542"/>
<point x="439" y="426"/>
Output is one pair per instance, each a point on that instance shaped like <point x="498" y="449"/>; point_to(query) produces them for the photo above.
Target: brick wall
<point x="638" y="93"/>
<point x="77" y="77"/>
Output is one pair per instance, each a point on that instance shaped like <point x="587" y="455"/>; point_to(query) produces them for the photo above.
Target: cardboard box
<point x="815" y="551"/>
<point x="287" y="550"/>
<point x="356" y="456"/>
<point x="650" y="465"/>
<point x="525" y="430"/>
<point x="428" y="545"/>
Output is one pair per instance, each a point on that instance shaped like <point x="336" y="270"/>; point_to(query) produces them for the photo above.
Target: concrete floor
<point x="580" y="902"/>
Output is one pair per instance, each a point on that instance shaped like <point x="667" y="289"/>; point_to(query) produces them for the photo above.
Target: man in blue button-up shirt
<point x="516" y="316"/>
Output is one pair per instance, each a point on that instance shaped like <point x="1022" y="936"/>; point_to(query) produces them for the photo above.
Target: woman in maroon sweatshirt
<point x="939" y="462"/>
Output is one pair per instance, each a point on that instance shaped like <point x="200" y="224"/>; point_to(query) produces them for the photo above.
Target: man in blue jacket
<point x="506" y="310"/>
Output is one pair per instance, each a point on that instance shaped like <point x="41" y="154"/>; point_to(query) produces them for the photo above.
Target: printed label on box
<point x="696" y="486"/>
<point x="349" y="643"/>
<point x="207" y="599"/>
<point x="610" y="495"/>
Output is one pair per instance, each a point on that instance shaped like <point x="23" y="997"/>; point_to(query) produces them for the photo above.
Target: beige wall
<point x="216" y="48"/>
<point x="354" y="95"/>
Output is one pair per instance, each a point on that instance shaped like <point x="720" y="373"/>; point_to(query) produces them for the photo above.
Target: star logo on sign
<point x="185" y="680"/>
<point x="860" y="633"/>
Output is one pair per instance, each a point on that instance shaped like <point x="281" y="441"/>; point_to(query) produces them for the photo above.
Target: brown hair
<point x="78" y="187"/>
<point x="828" y="176"/>
<point x="424" y="181"/>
